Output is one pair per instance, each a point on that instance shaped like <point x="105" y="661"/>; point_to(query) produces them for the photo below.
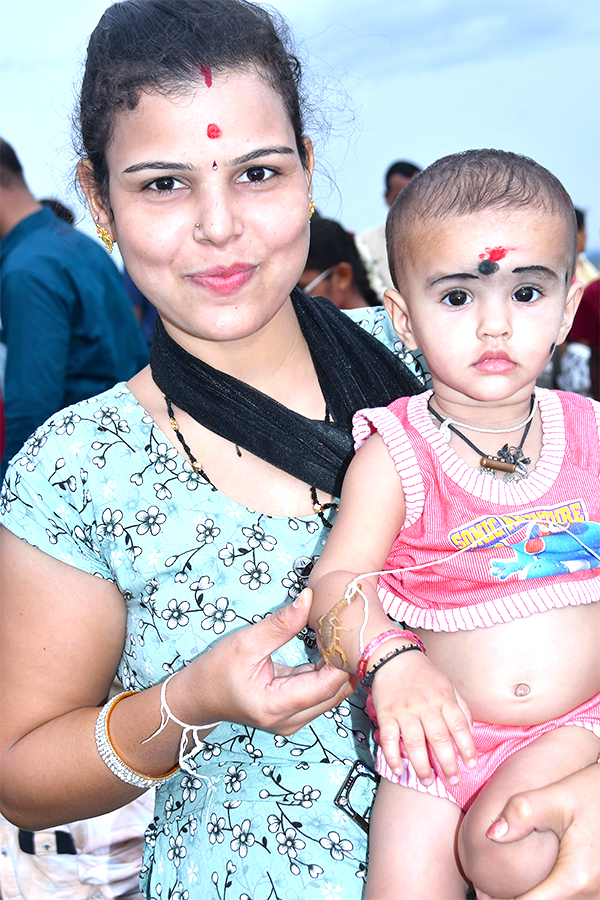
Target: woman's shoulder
<point x="75" y="433"/>
<point x="375" y="321"/>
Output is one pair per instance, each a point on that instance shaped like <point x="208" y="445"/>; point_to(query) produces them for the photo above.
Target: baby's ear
<point x="573" y="300"/>
<point x="397" y="310"/>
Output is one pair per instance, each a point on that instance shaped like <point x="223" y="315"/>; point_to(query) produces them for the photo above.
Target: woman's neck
<point x="275" y="360"/>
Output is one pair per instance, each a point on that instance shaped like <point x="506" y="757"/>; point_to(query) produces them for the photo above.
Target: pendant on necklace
<point x="510" y="460"/>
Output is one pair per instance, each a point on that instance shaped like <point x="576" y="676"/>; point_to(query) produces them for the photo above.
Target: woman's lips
<point x="495" y="362"/>
<point x="224" y="279"/>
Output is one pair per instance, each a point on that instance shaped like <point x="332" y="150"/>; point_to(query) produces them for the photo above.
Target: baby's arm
<point x="411" y="696"/>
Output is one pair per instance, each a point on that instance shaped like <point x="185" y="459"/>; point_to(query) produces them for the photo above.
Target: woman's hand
<point x="571" y="809"/>
<point x="416" y="700"/>
<point x="244" y="685"/>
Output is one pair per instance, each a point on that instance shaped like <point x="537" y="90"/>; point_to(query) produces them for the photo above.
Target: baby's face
<point x="486" y="297"/>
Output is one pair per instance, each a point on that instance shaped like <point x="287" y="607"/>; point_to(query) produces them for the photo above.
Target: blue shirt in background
<point x="66" y="321"/>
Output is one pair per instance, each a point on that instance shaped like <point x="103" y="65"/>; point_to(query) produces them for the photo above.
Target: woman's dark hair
<point x="331" y="244"/>
<point x="164" y="45"/>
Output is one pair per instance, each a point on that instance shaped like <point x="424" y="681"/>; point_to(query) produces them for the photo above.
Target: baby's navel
<point x="522" y="690"/>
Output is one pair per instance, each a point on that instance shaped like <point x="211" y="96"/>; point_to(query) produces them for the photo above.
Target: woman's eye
<point x="456" y="298"/>
<point x="526" y="294"/>
<point x="164" y="185"/>
<point x="256" y="174"/>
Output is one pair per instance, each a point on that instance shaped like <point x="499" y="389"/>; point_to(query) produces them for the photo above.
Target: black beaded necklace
<point x="510" y="460"/>
<point x="319" y="508"/>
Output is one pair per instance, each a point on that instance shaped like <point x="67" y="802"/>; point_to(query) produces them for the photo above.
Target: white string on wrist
<point x="189" y="731"/>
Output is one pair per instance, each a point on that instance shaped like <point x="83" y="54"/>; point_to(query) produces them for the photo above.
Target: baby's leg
<point x="507" y="870"/>
<point x="412" y="852"/>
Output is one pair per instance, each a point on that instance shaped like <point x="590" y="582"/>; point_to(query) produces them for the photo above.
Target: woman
<point x="142" y="549"/>
<point x="196" y="163"/>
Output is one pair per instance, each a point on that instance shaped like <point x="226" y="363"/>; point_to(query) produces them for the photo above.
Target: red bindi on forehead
<point x="206" y="73"/>
<point x="494" y="254"/>
<point x="213" y="131"/>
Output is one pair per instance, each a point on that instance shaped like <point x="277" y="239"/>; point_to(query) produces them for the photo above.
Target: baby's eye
<point x="457" y="298"/>
<point x="526" y="294"/>
<point x="164" y="185"/>
<point x="256" y="174"/>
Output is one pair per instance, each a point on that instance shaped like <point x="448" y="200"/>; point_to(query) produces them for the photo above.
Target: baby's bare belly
<point x="527" y="671"/>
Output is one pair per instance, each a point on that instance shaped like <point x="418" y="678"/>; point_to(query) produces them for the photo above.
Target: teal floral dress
<point x="101" y="488"/>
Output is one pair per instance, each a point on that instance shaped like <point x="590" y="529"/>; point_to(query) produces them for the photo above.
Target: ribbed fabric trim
<point x="390" y="430"/>
<point x="494" y="490"/>
<point x="490" y="612"/>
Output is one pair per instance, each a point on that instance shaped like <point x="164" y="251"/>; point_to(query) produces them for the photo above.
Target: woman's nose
<point x="217" y="219"/>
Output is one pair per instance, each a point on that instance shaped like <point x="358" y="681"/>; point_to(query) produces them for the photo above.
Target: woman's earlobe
<point x="89" y="186"/>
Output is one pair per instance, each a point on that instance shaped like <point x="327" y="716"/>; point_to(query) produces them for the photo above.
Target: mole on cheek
<point x="213" y="131"/>
<point x="488" y="267"/>
<point x="522" y="690"/>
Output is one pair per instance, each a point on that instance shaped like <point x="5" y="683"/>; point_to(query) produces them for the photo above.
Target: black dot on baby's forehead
<point x="488" y="267"/>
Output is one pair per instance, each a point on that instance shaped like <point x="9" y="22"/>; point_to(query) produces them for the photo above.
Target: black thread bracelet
<point x="367" y="681"/>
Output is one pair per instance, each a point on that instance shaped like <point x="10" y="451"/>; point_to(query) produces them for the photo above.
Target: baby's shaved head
<point x="466" y="183"/>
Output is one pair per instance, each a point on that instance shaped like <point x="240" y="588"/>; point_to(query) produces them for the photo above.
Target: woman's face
<point x="210" y="205"/>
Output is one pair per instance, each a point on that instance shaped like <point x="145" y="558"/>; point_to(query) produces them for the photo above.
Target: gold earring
<point x="311" y="209"/>
<point x="104" y="236"/>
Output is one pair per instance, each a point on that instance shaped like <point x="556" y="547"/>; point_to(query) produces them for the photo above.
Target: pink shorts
<point x="494" y="744"/>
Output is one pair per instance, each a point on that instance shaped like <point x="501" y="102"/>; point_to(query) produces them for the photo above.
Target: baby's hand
<point x="413" y="698"/>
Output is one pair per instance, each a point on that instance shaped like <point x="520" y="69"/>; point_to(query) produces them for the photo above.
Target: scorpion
<point x="330" y="628"/>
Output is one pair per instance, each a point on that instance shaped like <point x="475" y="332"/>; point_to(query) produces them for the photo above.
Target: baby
<point x="480" y="499"/>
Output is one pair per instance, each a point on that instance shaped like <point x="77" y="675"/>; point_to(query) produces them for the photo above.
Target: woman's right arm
<point x="62" y="633"/>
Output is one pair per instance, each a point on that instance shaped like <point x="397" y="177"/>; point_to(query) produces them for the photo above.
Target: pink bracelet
<point x="372" y="646"/>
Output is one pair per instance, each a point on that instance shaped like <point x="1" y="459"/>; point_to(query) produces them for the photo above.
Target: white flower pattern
<point x="258" y="811"/>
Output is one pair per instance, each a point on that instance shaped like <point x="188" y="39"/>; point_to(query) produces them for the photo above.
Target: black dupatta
<point x="354" y="370"/>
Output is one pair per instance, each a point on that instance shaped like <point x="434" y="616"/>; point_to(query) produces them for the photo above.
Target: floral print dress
<point x="101" y="488"/>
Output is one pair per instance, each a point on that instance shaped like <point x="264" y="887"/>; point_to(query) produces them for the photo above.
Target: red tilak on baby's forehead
<point x="213" y="131"/>
<point x="495" y="253"/>
<point x="206" y="73"/>
<point x="489" y="259"/>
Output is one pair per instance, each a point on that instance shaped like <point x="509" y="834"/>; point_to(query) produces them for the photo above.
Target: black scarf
<point x="354" y="370"/>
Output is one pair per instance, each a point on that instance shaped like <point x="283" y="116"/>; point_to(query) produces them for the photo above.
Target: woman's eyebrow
<point x="160" y="164"/>
<point x="541" y="270"/>
<point x="256" y="154"/>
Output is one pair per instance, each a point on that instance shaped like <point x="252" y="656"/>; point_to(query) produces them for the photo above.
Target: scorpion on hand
<point x="330" y="628"/>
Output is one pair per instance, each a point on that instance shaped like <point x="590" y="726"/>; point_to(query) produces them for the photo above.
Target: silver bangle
<point x="111" y="758"/>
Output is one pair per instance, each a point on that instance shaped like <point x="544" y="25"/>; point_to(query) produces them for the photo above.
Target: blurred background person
<point x="373" y="240"/>
<point x="586" y="271"/>
<point x="334" y="268"/>
<point x="59" y="209"/>
<point x="67" y="325"/>
<point x="144" y="311"/>
<point x="580" y="362"/>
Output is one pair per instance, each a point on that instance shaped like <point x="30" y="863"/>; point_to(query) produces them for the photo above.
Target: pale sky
<point x="395" y="79"/>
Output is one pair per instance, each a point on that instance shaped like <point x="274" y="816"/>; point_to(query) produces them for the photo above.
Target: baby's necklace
<point x="319" y="508"/>
<point x="510" y="460"/>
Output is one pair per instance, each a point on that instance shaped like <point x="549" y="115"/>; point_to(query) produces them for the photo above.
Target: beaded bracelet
<point x="367" y="681"/>
<point x="372" y="646"/>
<point x="112" y="759"/>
